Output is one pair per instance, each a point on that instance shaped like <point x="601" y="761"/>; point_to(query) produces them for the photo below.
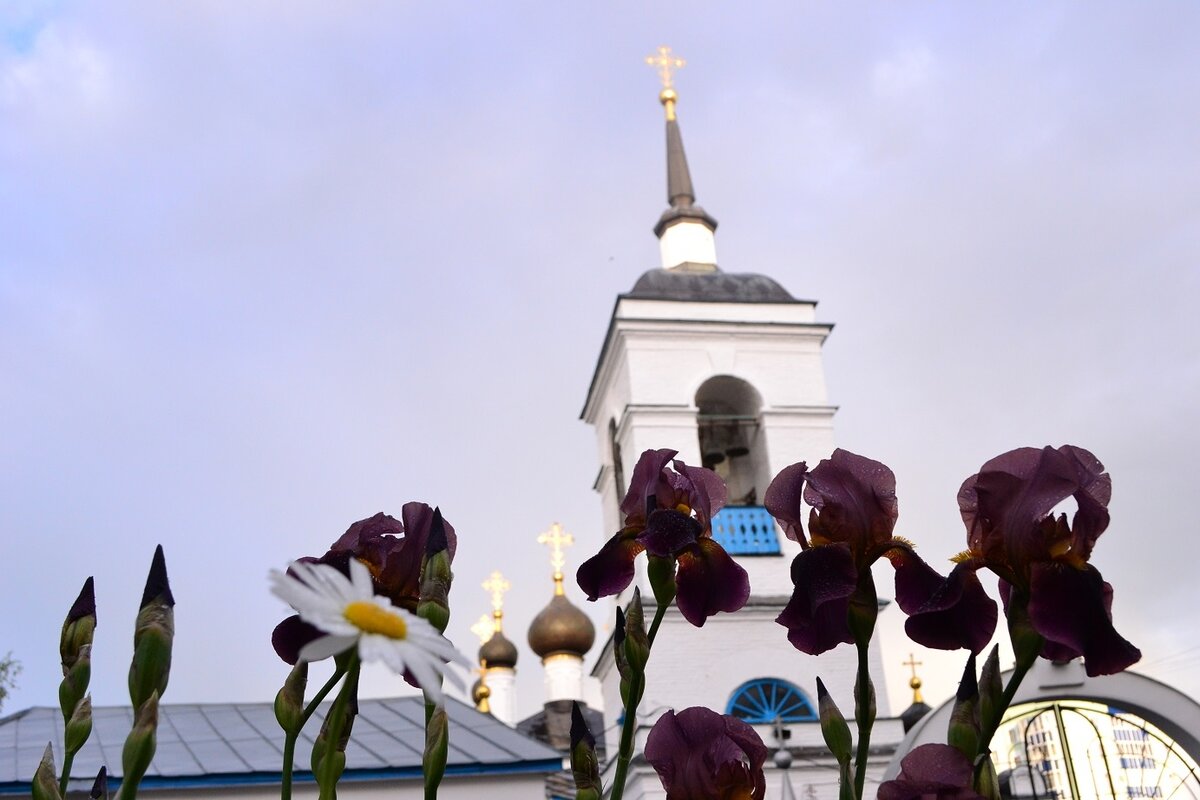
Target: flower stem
<point x="290" y="737"/>
<point x="68" y="760"/>
<point x="636" y="684"/>
<point x="865" y="712"/>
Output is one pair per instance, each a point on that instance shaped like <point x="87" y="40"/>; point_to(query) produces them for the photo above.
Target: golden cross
<point x="912" y="663"/>
<point x="483" y="628"/>
<point x="497" y="586"/>
<point x="557" y="539"/>
<point x="666" y="65"/>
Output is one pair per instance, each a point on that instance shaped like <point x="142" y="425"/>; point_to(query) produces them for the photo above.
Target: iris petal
<point x="1070" y="608"/>
<point x="709" y="581"/>
<point x="816" y="616"/>
<point x="611" y="570"/>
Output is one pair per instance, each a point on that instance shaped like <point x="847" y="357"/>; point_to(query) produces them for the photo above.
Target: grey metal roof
<point x="712" y="287"/>
<point x="231" y="743"/>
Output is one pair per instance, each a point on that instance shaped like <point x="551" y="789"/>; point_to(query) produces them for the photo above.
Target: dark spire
<point x="680" y="192"/>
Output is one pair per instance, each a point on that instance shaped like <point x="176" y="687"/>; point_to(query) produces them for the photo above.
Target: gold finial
<point x="496" y="585"/>
<point x="666" y="65"/>
<point x="482" y="692"/>
<point x="483" y="629"/>
<point x="915" y="682"/>
<point x="557" y="539"/>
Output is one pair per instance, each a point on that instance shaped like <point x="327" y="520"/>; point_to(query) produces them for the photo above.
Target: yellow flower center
<point x="370" y="618"/>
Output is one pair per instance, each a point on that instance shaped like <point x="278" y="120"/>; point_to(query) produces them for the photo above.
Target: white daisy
<point x="349" y="611"/>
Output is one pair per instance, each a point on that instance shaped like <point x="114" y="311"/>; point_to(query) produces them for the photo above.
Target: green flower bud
<point x="100" y="786"/>
<point x="139" y="747"/>
<point x="963" y="733"/>
<point x="991" y="691"/>
<point x="74" y="685"/>
<point x="78" y="628"/>
<point x="623" y="668"/>
<point x="436" y="577"/>
<point x="79" y="727"/>
<point x="153" y="635"/>
<point x="833" y="726"/>
<point x="584" y="766"/>
<point x="289" y="703"/>
<point x="661" y="571"/>
<point x="45" y="778"/>
<point x="637" y="644"/>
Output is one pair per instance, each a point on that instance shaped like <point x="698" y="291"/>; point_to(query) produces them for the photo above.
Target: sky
<point x="269" y="268"/>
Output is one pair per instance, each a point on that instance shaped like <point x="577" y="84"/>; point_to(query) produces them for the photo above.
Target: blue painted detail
<point x="745" y="530"/>
<point x="764" y="700"/>
<point x="350" y="775"/>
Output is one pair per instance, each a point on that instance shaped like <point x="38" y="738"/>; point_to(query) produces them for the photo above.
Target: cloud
<point x="903" y="74"/>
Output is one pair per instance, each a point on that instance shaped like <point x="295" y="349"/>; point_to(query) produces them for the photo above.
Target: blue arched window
<point x="763" y="700"/>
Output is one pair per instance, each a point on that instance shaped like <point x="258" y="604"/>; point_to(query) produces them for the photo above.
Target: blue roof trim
<point x="351" y="776"/>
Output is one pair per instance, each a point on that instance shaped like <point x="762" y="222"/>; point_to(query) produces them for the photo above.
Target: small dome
<point x="560" y="627"/>
<point x="498" y="651"/>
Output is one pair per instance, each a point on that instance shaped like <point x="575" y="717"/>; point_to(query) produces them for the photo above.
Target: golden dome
<point x="560" y="627"/>
<point x="498" y="651"/>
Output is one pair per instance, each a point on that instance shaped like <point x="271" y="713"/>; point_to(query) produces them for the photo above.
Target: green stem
<point x="327" y="780"/>
<point x="68" y="760"/>
<point x="290" y="737"/>
<point x="866" y="719"/>
<point x="636" y="683"/>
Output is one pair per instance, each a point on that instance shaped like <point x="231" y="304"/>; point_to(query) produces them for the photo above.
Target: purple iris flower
<point x="702" y="755"/>
<point x="391" y="549"/>
<point x="853" y="513"/>
<point x="668" y="513"/>
<point x="1042" y="561"/>
<point x="931" y="771"/>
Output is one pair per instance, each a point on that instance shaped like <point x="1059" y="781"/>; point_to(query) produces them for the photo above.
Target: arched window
<point x="727" y="424"/>
<point x="764" y="700"/>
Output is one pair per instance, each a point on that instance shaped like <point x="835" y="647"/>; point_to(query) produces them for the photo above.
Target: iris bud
<point x="434" y="602"/>
<point x="963" y="733"/>
<point x="78" y="628"/>
<point x="153" y="634"/>
<point x="289" y="703"/>
<point x="833" y="726"/>
<point x="991" y="691"/>
<point x="79" y="726"/>
<point x="637" y="644"/>
<point x="100" y="785"/>
<point x="584" y="767"/>
<point x="45" y="780"/>
<point x="139" y="747"/>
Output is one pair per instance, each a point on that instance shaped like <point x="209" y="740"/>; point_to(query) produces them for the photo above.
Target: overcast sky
<point x="269" y="268"/>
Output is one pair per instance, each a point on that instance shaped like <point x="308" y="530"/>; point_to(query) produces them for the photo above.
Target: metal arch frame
<point x="775" y="713"/>
<point x="1164" y="707"/>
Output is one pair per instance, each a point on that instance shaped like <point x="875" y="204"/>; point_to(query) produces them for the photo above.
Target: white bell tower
<point x="725" y="368"/>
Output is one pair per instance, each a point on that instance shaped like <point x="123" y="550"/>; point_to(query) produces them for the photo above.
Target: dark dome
<point x="498" y="651"/>
<point x="913" y="714"/>
<point x="712" y="287"/>
<point x="560" y="627"/>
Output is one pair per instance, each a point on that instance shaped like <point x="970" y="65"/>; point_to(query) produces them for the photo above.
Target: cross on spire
<point x="914" y="683"/>
<point x="497" y="585"/>
<point x="912" y="663"/>
<point x="557" y="539"/>
<point x="483" y="628"/>
<point x="666" y="65"/>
